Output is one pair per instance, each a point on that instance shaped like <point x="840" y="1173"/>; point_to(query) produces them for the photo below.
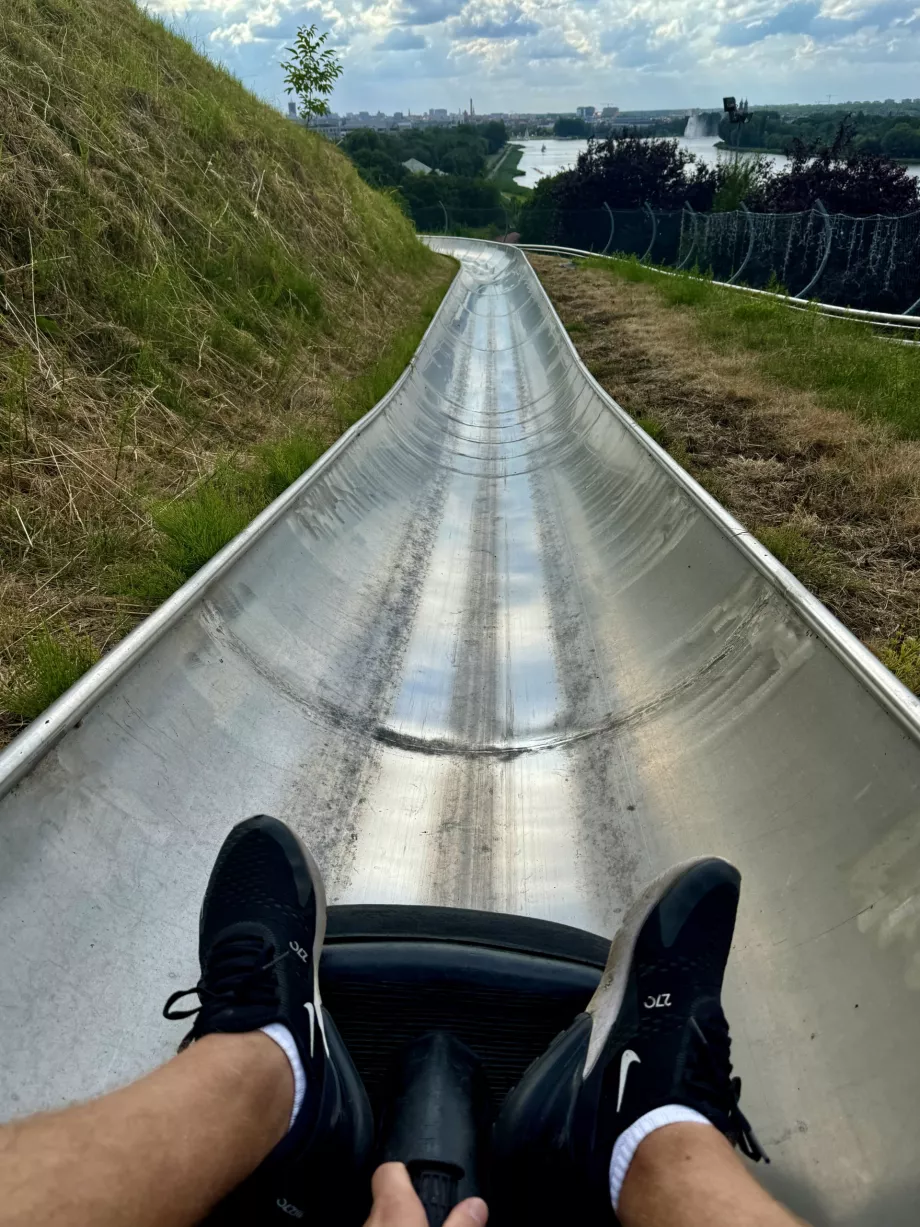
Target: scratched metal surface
<point x="495" y="653"/>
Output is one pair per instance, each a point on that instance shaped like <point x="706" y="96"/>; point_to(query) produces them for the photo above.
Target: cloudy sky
<point x="557" y="54"/>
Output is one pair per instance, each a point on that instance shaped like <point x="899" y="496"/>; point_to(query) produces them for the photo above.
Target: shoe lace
<point x="713" y="1073"/>
<point x="238" y="973"/>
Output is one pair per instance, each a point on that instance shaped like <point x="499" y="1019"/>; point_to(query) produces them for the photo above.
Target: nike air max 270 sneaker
<point x="653" y="1035"/>
<point x="261" y="933"/>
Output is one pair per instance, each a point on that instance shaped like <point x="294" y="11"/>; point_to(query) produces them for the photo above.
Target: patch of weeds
<point x="194" y="528"/>
<point x="678" y="452"/>
<point x="679" y="291"/>
<point x="234" y="343"/>
<point x="52" y="662"/>
<point x="147" y="583"/>
<point x="846" y="364"/>
<point x="654" y="430"/>
<point x="628" y="268"/>
<point x="812" y="564"/>
<point x="107" y="543"/>
<point x="576" y="327"/>
<point x="901" y="654"/>
<point x="713" y="483"/>
<point x="359" y="395"/>
<point x="841" y="361"/>
<point x="789" y="545"/>
<point x="676" y="289"/>
<point x="262" y="270"/>
<point x="281" y="463"/>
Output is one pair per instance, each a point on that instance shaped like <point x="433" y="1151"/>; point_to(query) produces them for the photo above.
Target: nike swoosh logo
<point x="311" y="1010"/>
<point x="625" y="1061"/>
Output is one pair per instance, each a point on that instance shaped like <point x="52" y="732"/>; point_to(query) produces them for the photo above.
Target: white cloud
<point x="532" y="54"/>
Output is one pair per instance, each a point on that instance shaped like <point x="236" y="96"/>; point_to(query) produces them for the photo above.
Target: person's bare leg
<point x="160" y="1152"/>
<point x="689" y="1176"/>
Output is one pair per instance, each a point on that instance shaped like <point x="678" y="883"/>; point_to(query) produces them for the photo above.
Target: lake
<point x="549" y="156"/>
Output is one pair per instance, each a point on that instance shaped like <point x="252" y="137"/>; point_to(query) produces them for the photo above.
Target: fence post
<point x="829" y="231"/>
<point x="610" y="235"/>
<point x="693" y="221"/>
<point x="750" y="249"/>
<point x="648" y="250"/>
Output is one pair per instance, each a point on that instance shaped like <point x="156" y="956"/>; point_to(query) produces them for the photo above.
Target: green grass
<point x="191" y="213"/>
<point x="506" y="176"/>
<point x="359" y="395"/>
<point x="192" y="529"/>
<point x="844" y="363"/>
<point x="654" y="429"/>
<point x="817" y="567"/>
<point x="53" y="660"/>
<point x="901" y="654"/>
<point x="189" y="283"/>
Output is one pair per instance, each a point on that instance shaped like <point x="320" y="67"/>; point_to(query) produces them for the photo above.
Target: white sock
<point x="627" y="1143"/>
<point x="285" y="1041"/>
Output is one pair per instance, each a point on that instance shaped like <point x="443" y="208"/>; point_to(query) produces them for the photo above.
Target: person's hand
<point x="396" y="1203"/>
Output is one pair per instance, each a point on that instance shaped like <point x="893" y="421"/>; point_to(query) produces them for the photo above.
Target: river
<point x="549" y="156"/>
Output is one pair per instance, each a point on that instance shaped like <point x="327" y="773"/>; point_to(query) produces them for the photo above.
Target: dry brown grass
<point x="835" y="497"/>
<point x="183" y="275"/>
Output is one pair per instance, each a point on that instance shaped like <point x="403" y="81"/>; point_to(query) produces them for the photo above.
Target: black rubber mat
<point x="505" y="1004"/>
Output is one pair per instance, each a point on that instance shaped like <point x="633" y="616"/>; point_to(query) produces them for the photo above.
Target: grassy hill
<point x="196" y="297"/>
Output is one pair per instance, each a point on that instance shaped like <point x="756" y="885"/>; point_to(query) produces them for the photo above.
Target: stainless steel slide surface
<point x="494" y="651"/>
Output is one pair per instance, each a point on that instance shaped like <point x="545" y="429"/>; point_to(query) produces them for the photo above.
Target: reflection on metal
<point x="695" y="224"/>
<point x="829" y="238"/>
<point x="736" y="276"/>
<point x="648" y="250"/>
<point x="609" y="242"/>
<point x="497" y="650"/>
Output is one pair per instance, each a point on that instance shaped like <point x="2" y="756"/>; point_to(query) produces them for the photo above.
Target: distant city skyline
<point x="556" y="55"/>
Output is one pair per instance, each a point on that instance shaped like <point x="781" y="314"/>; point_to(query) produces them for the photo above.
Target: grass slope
<point x="196" y="297"/>
<point x="839" y="359"/>
<point x="807" y="430"/>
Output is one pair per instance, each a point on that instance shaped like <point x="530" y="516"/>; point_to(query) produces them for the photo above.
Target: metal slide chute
<point x="495" y="651"/>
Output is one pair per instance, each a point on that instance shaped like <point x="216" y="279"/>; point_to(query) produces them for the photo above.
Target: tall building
<point x="585" y="112"/>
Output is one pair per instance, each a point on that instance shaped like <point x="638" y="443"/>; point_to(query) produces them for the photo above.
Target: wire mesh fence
<point x="868" y="262"/>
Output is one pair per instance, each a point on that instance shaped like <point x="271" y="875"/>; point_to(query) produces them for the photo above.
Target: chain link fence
<point x="868" y="262"/>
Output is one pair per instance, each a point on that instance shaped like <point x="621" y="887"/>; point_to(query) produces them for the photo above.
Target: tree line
<point x="457" y="158"/>
<point x="891" y="135"/>
<point x="629" y="172"/>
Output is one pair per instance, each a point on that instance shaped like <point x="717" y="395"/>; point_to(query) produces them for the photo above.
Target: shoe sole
<point x="604" y="1006"/>
<point x="311" y="882"/>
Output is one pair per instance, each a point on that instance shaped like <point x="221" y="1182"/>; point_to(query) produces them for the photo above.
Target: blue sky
<point x="546" y="54"/>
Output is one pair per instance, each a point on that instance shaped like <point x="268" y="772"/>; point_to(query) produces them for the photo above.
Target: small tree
<point x="311" y="72"/>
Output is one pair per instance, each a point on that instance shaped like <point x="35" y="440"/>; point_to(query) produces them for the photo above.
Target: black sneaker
<point x="261" y="934"/>
<point x="653" y="1034"/>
